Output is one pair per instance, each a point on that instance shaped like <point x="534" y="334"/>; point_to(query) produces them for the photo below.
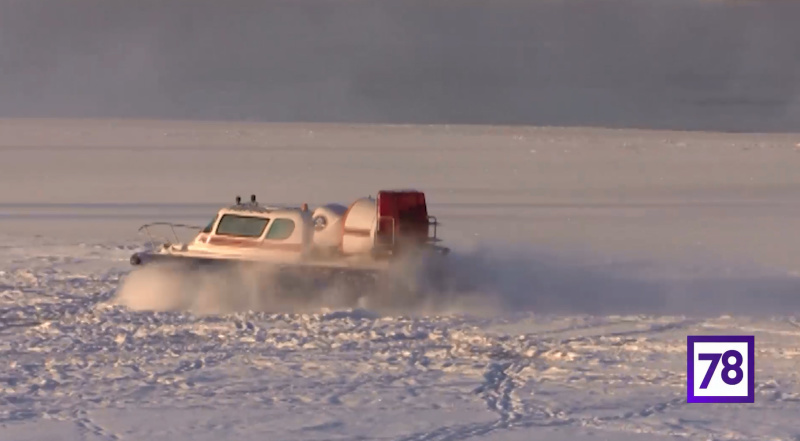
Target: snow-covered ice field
<point x="595" y="253"/>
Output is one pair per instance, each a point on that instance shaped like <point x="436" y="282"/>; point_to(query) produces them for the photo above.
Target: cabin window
<point x="210" y="225"/>
<point x="245" y="226"/>
<point x="281" y="229"/>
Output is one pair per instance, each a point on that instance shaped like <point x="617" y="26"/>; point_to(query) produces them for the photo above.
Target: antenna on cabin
<point x="252" y="199"/>
<point x="238" y="200"/>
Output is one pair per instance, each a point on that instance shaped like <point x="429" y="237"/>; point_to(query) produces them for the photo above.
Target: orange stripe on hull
<point x="357" y="232"/>
<point x="254" y="243"/>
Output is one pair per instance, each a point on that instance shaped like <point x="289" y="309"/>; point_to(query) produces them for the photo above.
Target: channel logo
<point x="720" y="369"/>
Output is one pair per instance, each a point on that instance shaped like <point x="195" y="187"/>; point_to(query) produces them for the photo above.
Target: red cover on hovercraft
<point x="408" y="212"/>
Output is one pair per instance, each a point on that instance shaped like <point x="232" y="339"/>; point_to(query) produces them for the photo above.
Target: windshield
<point x="247" y="226"/>
<point x="210" y="225"/>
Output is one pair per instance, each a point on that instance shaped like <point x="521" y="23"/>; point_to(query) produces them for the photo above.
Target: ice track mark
<point x="88" y="426"/>
<point x="498" y="390"/>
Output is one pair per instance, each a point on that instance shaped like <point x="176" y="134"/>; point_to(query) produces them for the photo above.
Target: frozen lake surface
<point x="596" y="252"/>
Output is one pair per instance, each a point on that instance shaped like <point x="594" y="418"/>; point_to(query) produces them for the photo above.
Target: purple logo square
<point x="720" y="369"/>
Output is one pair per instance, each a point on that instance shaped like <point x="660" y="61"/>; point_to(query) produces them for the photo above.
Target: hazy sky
<point x="729" y="65"/>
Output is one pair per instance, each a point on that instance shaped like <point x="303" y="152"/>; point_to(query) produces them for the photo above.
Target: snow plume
<point x="214" y="290"/>
<point x="562" y="281"/>
<point x="410" y="287"/>
<point x="476" y="282"/>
